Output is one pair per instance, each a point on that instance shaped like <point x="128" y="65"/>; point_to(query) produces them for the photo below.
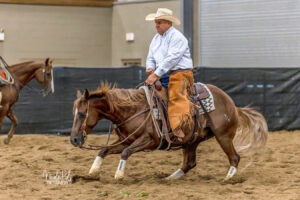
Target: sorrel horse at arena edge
<point x="236" y="129"/>
<point x="22" y="74"/>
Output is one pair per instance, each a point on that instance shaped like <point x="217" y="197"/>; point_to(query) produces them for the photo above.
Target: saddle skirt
<point x="202" y="93"/>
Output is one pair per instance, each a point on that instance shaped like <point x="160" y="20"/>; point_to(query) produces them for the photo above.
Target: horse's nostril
<point x="74" y="141"/>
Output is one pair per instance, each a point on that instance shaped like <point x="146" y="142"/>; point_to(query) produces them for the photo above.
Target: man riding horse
<point x="169" y="53"/>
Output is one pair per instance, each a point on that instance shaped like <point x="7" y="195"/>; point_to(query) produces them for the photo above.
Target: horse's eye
<point x="48" y="75"/>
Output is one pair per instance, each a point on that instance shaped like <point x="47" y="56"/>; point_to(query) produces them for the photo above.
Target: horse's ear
<point x="50" y="62"/>
<point x="86" y="94"/>
<point x="79" y="94"/>
<point x="47" y="62"/>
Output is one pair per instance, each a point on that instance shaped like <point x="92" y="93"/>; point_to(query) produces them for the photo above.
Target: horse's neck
<point x="23" y="73"/>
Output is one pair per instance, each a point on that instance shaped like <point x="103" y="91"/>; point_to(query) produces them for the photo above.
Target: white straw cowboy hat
<point x="163" y="13"/>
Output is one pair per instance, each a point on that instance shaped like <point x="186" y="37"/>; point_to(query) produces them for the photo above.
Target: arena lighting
<point x="1" y="34"/>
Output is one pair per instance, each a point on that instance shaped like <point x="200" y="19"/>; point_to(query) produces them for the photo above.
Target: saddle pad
<point x="208" y="102"/>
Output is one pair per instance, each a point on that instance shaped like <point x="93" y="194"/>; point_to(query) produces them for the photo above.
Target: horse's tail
<point x="252" y="131"/>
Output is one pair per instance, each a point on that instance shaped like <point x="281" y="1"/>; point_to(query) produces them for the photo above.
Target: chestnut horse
<point x="128" y="108"/>
<point x="22" y="74"/>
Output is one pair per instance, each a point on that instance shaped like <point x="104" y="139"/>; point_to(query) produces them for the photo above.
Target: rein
<point x="96" y="147"/>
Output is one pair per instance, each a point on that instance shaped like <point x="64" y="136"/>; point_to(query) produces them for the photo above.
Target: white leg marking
<point x="52" y="82"/>
<point x="176" y="175"/>
<point x="231" y="172"/>
<point x="120" y="171"/>
<point x="0" y="99"/>
<point x="95" y="169"/>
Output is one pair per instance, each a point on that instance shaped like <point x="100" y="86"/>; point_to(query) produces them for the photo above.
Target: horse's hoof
<point x="119" y="175"/>
<point x="6" y="141"/>
<point x="176" y="175"/>
<point x="94" y="171"/>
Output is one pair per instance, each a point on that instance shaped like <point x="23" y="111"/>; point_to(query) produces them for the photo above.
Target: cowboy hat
<point x="163" y="13"/>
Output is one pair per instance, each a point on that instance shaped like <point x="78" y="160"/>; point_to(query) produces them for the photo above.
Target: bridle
<point x="45" y="86"/>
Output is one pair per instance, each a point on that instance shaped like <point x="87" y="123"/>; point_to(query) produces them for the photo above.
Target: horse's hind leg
<point x="225" y="142"/>
<point x="14" y="122"/>
<point x="189" y="161"/>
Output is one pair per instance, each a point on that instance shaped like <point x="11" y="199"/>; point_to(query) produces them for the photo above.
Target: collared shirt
<point x="169" y="51"/>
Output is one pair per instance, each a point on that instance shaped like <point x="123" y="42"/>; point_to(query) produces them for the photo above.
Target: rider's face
<point x="162" y="25"/>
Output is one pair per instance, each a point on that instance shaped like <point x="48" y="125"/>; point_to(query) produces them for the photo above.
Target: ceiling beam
<point x="95" y="3"/>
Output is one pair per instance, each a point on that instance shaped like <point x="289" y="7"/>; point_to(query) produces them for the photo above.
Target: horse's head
<point x="87" y="110"/>
<point x="44" y="75"/>
<point x="79" y="113"/>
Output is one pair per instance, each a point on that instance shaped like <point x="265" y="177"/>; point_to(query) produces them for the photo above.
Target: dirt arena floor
<point x="25" y="162"/>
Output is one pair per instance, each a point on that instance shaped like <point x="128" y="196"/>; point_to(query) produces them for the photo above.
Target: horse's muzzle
<point x="77" y="141"/>
<point x="46" y="91"/>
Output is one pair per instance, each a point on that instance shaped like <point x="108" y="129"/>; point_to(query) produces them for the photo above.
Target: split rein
<point x="97" y="147"/>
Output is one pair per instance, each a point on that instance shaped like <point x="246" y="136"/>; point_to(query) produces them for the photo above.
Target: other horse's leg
<point x="141" y="143"/>
<point x="189" y="160"/>
<point x="14" y="122"/>
<point x="95" y="169"/>
<point x="225" y="142"/>
<point x="1" y="119"/>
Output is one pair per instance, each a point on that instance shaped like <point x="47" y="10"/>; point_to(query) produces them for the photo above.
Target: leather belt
<point x="172" y="72"/>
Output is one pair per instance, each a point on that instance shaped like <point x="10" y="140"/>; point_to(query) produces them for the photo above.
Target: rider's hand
<point x="151" y="79"/>
<point x="149" y="71"/>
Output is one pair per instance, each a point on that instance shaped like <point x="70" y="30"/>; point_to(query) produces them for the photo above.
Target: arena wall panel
<point x="73" y="36"/>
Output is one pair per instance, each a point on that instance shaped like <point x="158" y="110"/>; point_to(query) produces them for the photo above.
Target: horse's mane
<point x="119" y="97"/>
<point x="21" y="64"/>
<point x="103" y="88"/>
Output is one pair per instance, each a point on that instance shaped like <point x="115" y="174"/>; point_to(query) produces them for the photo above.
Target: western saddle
<point x="161" y="111"/>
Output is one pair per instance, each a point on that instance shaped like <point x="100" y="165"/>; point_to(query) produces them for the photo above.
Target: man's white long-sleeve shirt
<point x="169" y="51"/>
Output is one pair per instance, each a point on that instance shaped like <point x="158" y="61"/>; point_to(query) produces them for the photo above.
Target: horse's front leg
<point x="14" y="123"/>
<point x="140" y="144"/>
<point x="95" y="169"/>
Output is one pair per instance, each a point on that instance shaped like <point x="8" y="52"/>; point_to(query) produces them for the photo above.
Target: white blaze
<point x="75" y="114"/>
<point x="52" y="82"/>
